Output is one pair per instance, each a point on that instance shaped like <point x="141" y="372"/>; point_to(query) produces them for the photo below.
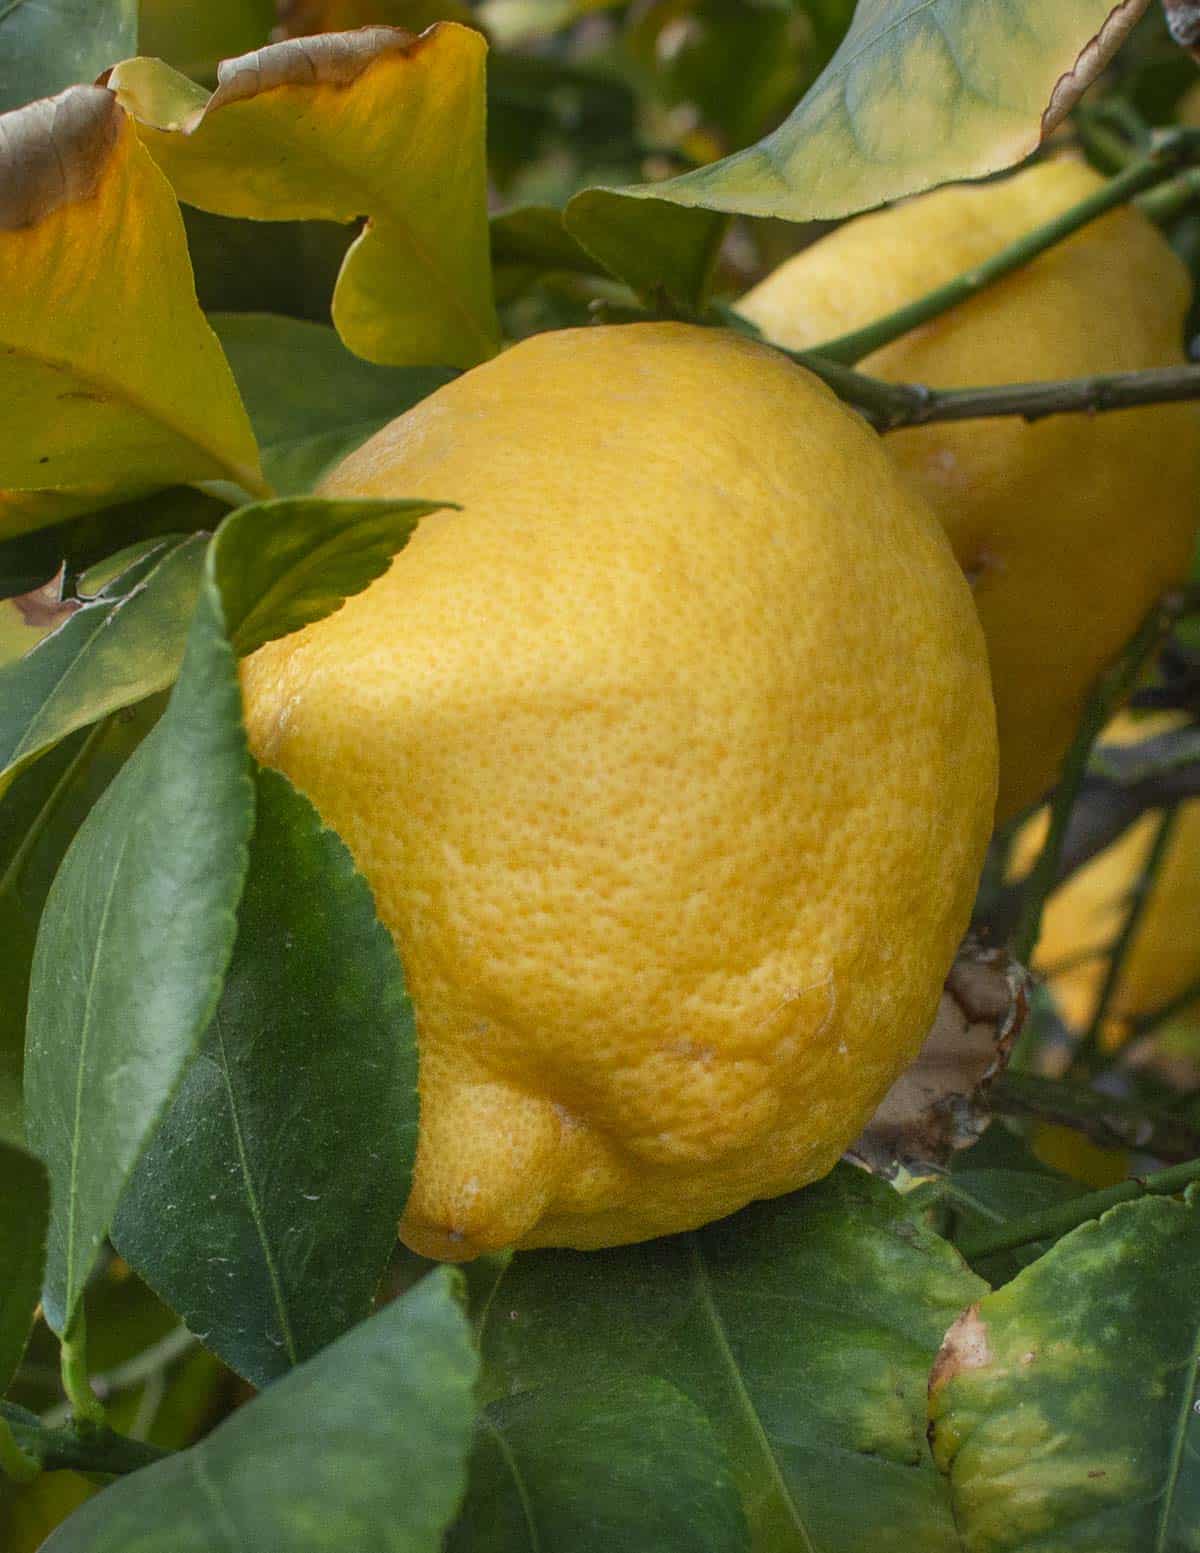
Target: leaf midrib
<point x="749" y="1411"/>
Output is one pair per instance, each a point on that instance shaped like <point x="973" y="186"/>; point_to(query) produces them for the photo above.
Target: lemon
<point x="670" y="759"/>
<point x="1084" y="917"/>
<point x="1068" y="528"/>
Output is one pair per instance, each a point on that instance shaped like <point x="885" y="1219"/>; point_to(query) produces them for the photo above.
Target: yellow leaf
<point x="111" y="379"/>
<point x="918" y="94"/>
<point x="373" y="123"/>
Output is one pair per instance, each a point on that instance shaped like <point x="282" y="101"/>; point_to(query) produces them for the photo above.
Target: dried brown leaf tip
<point x="54" y="153"/>
<point x="964" y="1347"/>
<point x="1092" y="59"/>
<point x="1183" y="20"/>
<point x="45" y="609"/>
<point x="939" y="1104"/>
<point x="329" y="59"/>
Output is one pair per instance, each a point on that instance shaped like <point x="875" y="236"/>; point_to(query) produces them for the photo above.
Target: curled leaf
<point x="939" y="1104"/>
<point x="110" y="376"/>
<point x="375" y="123"/>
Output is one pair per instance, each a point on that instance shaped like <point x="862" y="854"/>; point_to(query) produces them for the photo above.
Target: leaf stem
<point x="1054" y="1222"/>
<point x="92" y="1450"/>
<point x="86" y="1407"/>
<point x="1143" y="174"/>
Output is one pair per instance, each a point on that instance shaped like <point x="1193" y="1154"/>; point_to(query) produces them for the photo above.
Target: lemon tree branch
<point x="1156" y="167"/>
<point x="97" y="1449"/>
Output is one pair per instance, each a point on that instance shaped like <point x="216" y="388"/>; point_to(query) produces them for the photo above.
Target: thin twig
<point x="1141" y="175"/>
<point x="1052" y="1223"/>
<point x="1087" y="1060"/>
<point x="896" y="406"/>
<point x="1112" y="688"/>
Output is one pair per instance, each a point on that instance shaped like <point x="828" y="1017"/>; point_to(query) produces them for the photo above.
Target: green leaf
<point x="39" y="815"/>
<point x="804" y="1329"/>
<point x="287" y="563"/>
<point x="111" y="379"/>
<point x="132" y="950"/>
<point x="24" y="1212"/>
<point x="632" y="1464"/>
<point x="1063" y="1406"/>
<point x="662" y="250"/>
<point x="373" y="123"/>
<point x="265" y="1209"/>
<point x="46" y="45"/>
<point x="917" y="94"/>
<point x="364" y="1446"/>
<point x="310" y="400"/>
<point x="116" y="649"/>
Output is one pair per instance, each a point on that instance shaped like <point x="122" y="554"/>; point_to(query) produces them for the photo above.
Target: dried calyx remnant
<point x="939" y="1104"/>
<point x="1183" y="18"/>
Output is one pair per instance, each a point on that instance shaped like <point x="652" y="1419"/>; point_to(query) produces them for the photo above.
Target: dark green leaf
<point x="1064" y="1406"/>
<point x="310" y="400"/>
<point x="46" y="45"/>
<point x="630" y="1465"/>
<point x="284" y="564"/>
<point x="32" y="559"/>
<point x="664" y="252"/>
<point x="363" y="1447"/>
<point x="24" y="1212"/>
<point x="534" y="237"/>
<point x="39" y="814"/>
<point x="265" y="1209"/>
<point x="804" y="1328"/>
<point x="116" y="649"/>
<point x="132" y="950"/>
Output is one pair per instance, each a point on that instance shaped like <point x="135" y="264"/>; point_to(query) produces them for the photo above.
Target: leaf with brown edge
<point x="111" y="378"/>
<point x="917" y="95"/>
<point x="374" y="123"/>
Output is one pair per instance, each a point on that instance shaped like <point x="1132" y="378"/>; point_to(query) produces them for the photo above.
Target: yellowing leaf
<point x="918" y="94"/>
<point x="374" y="123"/>
<point x="110" y="377"/>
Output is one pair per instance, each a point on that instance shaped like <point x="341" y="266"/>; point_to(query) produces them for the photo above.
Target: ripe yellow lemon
<point x="1069" y="528"/>
<point x="1084" y="917"/>
<point x="670" y="758"/>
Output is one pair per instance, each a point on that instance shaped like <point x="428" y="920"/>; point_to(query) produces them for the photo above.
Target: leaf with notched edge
<point x="374" y="123"/>
<point x="110" y="377"/>
<point x="918" y="94"/>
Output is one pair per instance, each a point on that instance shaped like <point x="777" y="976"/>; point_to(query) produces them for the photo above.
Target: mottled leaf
<point x="916" y="95"/>
<point x="364" y="1446"/>
<point x="110" y="376"/>
<point x="1064" y="1406"/>
<point x="114" y="650"/>
<point x="24" y="1211"/>
<point x="132" y="950"/>
<point x="47" y="45"/>
<point x="266" y="1207"/>
<point x="374" y="123"/>
<point x="632" y="1464"/>
<point x="804" y="1328"/>
<point x="310" y="400"/>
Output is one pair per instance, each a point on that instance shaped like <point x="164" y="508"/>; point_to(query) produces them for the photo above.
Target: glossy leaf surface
<point x="266" y="1207"/>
